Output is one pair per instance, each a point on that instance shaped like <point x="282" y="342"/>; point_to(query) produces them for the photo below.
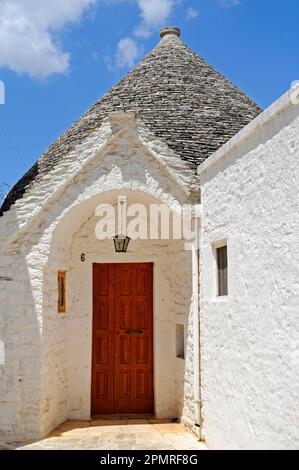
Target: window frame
<point x="222" y="271"/>
<point x="61" y="295"/>
<point x="180" y="341"/>
<point x="216" y="245"/>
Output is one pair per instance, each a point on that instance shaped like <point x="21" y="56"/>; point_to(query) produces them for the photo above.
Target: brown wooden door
<point x="122" y="351"/>
<point x="102" y="390"/>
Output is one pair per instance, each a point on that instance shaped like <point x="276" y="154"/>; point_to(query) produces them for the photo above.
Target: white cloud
<point x="127" y="53"/>
<point x="27" y="41"/>
<point x="192" y="13"/>
<point x="153" y="14"/>
<point x="229" y="3"/>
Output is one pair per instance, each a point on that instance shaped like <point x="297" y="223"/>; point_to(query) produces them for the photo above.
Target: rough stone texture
<point x="27" y="209"/>
<point x="250" y="358"/>
<point x="43" y="233"/>
<point x="249" y="340"/>
<point x="178" y="96"/>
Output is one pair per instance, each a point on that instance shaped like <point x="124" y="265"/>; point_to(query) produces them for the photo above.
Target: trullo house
<point x="203" y="330"/>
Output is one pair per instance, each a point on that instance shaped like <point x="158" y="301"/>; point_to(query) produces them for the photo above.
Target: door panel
<point x="134" y="338"/>
<point x="102" y="391"/>
<point x="122" y="371"/>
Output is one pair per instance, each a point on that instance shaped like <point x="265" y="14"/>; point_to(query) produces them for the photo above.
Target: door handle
<point x="134" y="332"/>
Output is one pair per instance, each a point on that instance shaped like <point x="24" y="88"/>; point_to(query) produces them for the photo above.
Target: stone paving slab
<point x="127" y="434"/>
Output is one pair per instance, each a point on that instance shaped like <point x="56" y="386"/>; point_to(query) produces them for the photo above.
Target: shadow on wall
<point x="35" y="379"/>
<point x="75" y="235"/>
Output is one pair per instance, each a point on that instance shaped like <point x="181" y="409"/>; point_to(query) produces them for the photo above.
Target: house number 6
<point x="83" y="257"/>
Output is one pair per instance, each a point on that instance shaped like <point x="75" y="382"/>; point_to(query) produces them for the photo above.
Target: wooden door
<point x="102" y="390"/>
<point x="122" y="351"/>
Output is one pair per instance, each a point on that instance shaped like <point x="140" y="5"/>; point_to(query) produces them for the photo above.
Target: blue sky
<point x="57" y="57"/>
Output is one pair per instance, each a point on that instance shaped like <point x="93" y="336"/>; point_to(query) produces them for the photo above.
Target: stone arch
<point x="42" y="248"/>
<point x="69" y="397"/>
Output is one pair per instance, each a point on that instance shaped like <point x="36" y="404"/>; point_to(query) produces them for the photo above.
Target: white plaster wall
<point x="37" y="238"/>
<point x="20" y="332"/>
<point x="250" y="384"/>
<point x="172" y="303"/>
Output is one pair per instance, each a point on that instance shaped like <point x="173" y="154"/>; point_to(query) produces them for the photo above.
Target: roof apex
<point x="170" y="30"/>
<point x="176" y="94"/>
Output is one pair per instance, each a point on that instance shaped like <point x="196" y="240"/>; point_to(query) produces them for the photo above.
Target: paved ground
<point x="129" y="434"/>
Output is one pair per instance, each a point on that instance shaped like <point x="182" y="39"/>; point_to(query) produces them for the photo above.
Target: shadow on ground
<point x="117" y="434"/>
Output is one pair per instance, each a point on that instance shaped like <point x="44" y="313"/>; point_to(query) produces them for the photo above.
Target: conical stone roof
<point x="179" y="97"/>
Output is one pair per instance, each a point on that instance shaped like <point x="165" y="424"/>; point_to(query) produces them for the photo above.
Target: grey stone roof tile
<point x="184" y="101"/>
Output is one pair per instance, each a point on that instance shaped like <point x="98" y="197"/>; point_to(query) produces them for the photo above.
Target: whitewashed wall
<point x="43" y="233"/>
<point x="250" y="341"/>
<point x="172" y="304"/>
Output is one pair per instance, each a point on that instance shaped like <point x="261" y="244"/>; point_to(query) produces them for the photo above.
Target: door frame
<point x="153" y="330"/>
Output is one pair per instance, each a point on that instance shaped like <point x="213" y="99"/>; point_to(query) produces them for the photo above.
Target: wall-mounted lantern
<point x="121" y="243"/>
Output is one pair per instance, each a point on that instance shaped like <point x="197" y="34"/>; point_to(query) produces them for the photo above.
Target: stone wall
<point x="172" y="304"/>
<point x="43" y="233"/>
<point x="250" y="383"/>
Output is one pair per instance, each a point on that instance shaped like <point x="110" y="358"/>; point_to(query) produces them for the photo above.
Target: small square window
<point x="221" y="255"/>
<point x="61" y="291"/>
<point x="180" y="341"/>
